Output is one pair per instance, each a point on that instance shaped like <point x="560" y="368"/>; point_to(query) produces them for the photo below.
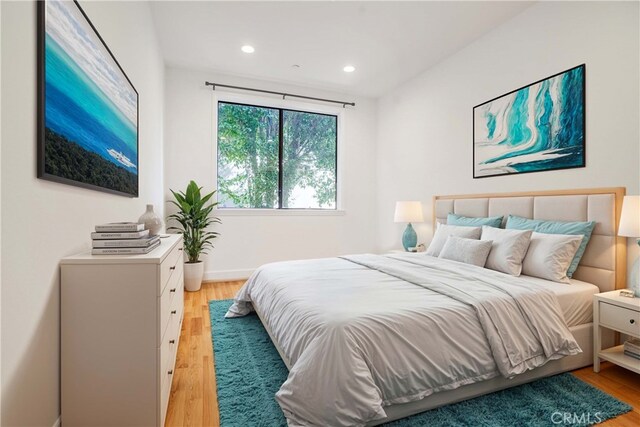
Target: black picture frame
<point x="41" y="106"/>
<point x="583" y="146"/>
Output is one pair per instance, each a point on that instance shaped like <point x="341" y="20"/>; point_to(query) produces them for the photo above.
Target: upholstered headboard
<point x="604" y="261"/>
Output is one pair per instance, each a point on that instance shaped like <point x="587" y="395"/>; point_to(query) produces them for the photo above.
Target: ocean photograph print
<point x="539" y="127"/>
<point x="88" y="108"/>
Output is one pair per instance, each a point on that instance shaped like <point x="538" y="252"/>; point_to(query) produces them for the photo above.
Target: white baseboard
<point x="227" y="274"/>
<point x="57" y="423"/>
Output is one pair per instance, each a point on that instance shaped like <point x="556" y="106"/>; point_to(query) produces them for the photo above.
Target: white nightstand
<point x="621" y="314"/>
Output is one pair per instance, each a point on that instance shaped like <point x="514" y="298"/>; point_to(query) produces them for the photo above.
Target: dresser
<point x="120" y="327"/>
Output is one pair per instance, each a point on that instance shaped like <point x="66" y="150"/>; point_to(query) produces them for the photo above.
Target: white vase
<point x="193" y="274"/>
<point x="151" y="221"/>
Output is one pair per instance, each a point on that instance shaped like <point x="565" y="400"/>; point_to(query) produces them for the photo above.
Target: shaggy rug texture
<point x="249" y="372"/>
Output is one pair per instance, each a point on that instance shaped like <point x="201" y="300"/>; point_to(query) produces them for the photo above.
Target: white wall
<point x="248" y="241"/>
<point x="44" y="221"/>
<point x="425" y="126"/>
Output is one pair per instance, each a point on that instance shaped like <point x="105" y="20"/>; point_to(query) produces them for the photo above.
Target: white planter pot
<point x="193" y="274"/>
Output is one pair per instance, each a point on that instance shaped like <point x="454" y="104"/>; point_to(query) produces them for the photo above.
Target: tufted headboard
<point x="605" y="259"/>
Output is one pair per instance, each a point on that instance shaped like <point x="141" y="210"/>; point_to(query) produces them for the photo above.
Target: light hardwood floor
<point x="194" y="403"/>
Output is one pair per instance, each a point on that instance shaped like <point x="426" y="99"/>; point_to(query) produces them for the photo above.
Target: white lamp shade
<point x="630" y="217"/>
<point x="408" y="212"/>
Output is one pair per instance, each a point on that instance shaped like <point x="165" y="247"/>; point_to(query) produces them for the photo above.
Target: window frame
<point x="281" y="105"/>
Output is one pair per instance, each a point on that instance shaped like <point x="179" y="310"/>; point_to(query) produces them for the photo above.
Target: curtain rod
<point x="283" y="94"/>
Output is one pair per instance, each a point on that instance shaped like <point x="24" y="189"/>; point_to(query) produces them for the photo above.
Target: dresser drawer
<point x="164" y="401"/>
<point x="164" y="357"/>
<point x="169" y="364"/>
<point x="619" y="318"/>
<point x="173" y="288"/>
<point x="168" y="356"/>
<point x="170" y="266"/>
<point x="174" y="321"/>
<point x="176" y="310"/>
<point x="169" y="348"/>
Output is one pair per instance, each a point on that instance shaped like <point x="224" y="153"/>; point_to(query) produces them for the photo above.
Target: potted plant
<point x="193" y="217"/>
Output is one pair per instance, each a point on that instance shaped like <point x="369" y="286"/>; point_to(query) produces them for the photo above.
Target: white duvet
<point x="367" y="331"/>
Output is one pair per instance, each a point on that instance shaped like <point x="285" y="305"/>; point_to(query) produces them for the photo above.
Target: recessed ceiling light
<point x="247" y="49"/>
<point x="349" y="69"/>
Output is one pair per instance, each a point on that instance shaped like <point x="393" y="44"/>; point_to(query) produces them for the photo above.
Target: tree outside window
<point x="270" y="158"/>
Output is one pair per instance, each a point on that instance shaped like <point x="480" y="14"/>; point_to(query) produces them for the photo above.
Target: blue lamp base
<point x="634" y="279"/>
<point x="409" y="238"/>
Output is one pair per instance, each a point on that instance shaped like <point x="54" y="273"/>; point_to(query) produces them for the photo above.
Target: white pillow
<point x="508" y="250"/>
<point x="444" y="231"/>
<point x="550" y="255"/>
<point x="469" y="251"/>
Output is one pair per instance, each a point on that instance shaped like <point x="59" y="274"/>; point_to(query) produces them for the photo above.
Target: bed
<point x="369" y="339"/>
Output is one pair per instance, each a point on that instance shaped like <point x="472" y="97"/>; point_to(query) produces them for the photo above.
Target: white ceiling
<point x="388" y="42"/>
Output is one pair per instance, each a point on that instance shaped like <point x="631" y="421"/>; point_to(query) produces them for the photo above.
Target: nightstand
<point x="620" y="314"/>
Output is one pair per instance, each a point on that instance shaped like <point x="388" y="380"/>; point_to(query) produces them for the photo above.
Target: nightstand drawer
<point x="619" y="318"/>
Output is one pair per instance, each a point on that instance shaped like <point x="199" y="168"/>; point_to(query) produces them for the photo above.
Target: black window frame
<point x="281" y="111"/>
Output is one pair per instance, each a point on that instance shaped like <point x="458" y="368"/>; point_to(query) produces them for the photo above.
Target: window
<point x="274" y="158"/>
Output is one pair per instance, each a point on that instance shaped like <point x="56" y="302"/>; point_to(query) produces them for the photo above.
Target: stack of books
<point x="632" y="348"/>
<point x="123" y="238"/>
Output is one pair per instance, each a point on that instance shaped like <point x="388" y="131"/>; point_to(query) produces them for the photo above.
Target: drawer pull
<point x="172" y="290"/>
<point x="172" y="268"/>
<point x="170" y="372"/>
<point x="174" y="311"/>
<point x="172" y="341"/>
<point x="632" y="321"/>
<point x="179" y="249"/>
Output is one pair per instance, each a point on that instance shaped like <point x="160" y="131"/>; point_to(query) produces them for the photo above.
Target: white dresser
<point x="120" y="325"/>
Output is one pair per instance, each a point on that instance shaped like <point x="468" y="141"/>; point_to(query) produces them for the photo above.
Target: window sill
<point x="279" y="212"/>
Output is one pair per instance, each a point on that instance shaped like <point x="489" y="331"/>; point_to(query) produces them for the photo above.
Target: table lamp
<point x="630" y="227"/>
<point x="408" y="212"/>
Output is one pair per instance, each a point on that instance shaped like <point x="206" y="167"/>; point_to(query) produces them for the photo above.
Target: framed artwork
<point x="539" y="127"/>
<point x="87" y="106"/>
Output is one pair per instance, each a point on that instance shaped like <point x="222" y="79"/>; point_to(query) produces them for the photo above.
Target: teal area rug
<point x="249" y="372"/>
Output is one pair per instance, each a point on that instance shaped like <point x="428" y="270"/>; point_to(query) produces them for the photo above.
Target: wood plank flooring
<point x="193" y="401"/>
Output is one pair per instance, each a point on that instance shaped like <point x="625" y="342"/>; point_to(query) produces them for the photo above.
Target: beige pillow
<point x="550" y="255"/>
<point x="508" y="250"/>
<point x="469" y="251"/>
<point x="444" y="231"/>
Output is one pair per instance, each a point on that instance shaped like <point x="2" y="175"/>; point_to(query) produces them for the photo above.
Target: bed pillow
<point x="549" y="256"/>
<point x="556" y="227"/>
<point x="492" y="221"/>
<point x="445" y="230"/>
<point x="469" y="251"/>
<point x="508" y="250"/>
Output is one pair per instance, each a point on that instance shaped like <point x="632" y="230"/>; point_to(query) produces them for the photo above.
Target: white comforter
<point x="367" y="331"/>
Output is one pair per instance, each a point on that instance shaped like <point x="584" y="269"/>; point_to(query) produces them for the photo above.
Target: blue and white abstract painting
<point x="90" y="108"/>
<point x="536" y="128"/>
